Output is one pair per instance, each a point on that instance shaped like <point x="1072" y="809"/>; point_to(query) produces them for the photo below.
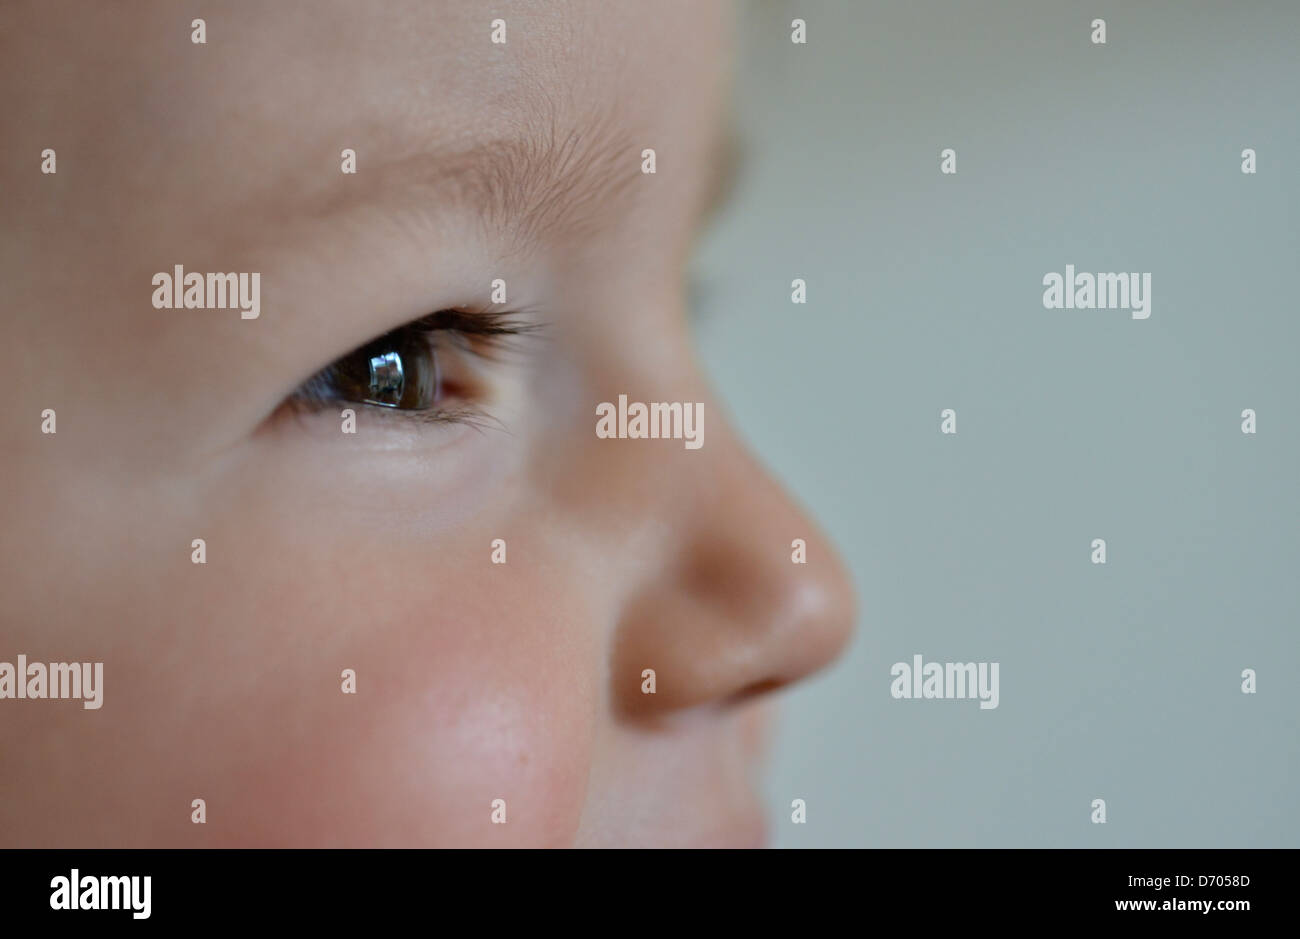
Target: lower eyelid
<point x="329" y="417"/>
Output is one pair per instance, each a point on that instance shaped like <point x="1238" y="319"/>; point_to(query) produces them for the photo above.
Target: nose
<point x="750" y="597"/>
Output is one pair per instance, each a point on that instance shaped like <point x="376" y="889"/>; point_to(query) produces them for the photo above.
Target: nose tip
<point x="821" y="608"/>
<point x="759" y="599"/>
<point x="810" y="614"/>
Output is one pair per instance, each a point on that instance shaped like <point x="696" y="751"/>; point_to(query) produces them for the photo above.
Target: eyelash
<point x="483" y="333"/>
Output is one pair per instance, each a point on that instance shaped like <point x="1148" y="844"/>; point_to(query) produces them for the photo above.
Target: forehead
<point x="280" y="85"/>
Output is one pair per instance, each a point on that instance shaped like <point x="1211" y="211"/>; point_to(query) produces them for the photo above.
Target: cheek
<point x="474" y="683"/>
<point x="486" y="691"/>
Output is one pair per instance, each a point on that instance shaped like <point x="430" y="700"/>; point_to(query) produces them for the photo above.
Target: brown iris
<point x="399" y="370"/>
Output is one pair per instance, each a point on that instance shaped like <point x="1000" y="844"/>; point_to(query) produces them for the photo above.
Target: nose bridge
<point x="749" y="595"/>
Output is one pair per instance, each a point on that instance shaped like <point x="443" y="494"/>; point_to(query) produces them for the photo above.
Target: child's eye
<point x="398" y="370"/>
<point x="411" y="369"/>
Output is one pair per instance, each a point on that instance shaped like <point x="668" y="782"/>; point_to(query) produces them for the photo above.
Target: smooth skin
<point x="372" y="551"/>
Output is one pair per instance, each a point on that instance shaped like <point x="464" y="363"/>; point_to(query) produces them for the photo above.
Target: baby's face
<point x="483" y="670"/>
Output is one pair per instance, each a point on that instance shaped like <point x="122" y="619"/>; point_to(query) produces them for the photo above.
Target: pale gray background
<point x="1118" y="682"/>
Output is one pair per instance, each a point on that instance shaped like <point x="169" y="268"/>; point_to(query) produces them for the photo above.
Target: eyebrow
<point x="536" y="182"/>
<point x="540" y="180"/>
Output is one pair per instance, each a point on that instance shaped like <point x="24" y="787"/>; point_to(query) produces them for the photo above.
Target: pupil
<point x="387" y="379"/>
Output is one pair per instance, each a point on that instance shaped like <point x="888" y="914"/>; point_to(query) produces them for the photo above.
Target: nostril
<point x="755" y="689"/>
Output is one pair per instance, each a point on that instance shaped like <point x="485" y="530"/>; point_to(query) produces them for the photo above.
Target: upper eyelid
<point x="477" y="322"/>
<point x="313" y="394"/>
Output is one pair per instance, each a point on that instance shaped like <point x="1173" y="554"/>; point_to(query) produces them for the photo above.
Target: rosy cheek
<point x="489" y="704"/>
<point x="473" y="684"/>
<point x="462" y="703"/>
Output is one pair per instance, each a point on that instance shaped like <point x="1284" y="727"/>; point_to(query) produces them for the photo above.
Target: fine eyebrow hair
<point x="526" y="185"/>
<point x="538" y="179"/>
